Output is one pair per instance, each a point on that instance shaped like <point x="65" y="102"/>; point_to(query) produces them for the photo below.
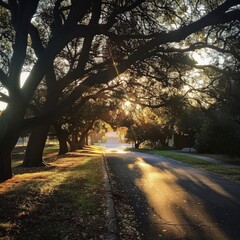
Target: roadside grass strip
<point x="232" y="173"/>
<point x="65" y="200"/>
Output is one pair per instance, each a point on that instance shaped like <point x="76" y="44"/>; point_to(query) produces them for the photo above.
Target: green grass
<point x="51" y="148"/>
<point x="18" y="153"/>
<point x="63" y="201"/>
<point x="233" y="173"/>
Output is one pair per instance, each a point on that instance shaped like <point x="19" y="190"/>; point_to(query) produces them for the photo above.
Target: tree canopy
<point x="73" y="46"/>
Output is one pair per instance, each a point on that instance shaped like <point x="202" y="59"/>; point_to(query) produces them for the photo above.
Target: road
<point x="175" y="201"/>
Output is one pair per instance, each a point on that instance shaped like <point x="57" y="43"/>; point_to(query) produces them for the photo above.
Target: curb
<point x="113" y="228"/>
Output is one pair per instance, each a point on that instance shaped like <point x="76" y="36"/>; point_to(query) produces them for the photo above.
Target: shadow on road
<point x="175" y="201"/>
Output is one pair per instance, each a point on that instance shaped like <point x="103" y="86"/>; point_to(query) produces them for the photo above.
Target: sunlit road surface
<point x="174" y="201"/>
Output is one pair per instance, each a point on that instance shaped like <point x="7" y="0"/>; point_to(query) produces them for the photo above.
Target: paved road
<point x="174" y="201"/>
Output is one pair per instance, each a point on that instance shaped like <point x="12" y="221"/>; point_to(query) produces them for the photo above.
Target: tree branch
<point x="36" y="41"/>
<point x="4" y="98"/>
<point x="3" y="77"/>
<point x="3" y="4"/>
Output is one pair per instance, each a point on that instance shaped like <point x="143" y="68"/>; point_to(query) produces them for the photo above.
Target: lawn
<point x="50" y="150"/>
<point x="65" y="200"/>
<point x="232" y="173"/>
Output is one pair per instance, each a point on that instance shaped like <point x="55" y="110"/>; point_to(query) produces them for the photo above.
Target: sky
<point x="24" y="76"/>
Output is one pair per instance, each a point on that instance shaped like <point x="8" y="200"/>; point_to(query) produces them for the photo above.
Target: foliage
<point x="219" y="134"/>
<point x="146" y="132"/>
<point x="77" y="46"/>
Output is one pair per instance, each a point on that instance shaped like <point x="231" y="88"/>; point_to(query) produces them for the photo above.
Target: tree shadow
<point x="42" y="207"/>
<point x="176" y="201"/>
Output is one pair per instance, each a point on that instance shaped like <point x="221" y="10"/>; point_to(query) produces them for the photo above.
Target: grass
<point x="232" y="173"/>
<point x="18" y="153"/>
<point x="51" y="148"/>
<point x="63" y="201"/>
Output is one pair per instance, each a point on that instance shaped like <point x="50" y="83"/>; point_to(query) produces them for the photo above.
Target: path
<point x="175" y="201"/>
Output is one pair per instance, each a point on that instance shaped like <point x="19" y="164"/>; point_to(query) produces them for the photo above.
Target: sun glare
<point x="186" y="88"/>
<point x="127" y="104"/>
<point x="23" y="77"/>
<point x="201" y="58"/>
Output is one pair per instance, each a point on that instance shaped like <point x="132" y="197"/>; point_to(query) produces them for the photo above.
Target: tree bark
<point x="82" y="141"/>
<point x="83" y="138"/>
<point x="6" y="155"/>
<point x="36" y="143"/>
<point x="10" y="130"/>
<point x="62" y="136"/>
<point x="5" y="163"/>
<point x="136" y="145"/>
<point x="74" y="142"/>
<point x="63" y="146"/>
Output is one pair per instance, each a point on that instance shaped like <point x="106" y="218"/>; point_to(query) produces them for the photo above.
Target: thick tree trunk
<point x="74" y="142"/>
<point x="62" y="136"/>
<point x="5" y="163"/>
<point x="6" y="149"/>
<point x="63" y="146"/>
<point x="82" y="142"/>
<point x="10" y="129"/>
<point x="92" y="138"/>
<point x="83" y="138"/>
<point x="136" y="145"/>
<point x="35" y="147"/>
<point x="37" y="140"/>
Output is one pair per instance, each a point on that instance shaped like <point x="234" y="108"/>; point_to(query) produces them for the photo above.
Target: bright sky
<point x="24" y="76"/>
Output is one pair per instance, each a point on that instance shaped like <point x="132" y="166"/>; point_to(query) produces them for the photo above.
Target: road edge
<point x="113" y="227"/>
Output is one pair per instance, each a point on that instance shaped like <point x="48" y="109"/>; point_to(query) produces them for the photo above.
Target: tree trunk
<point x="35" y="147"/>
<point x="63" y="146"/>
<point x="92" y="138"/>
<point x="6" y="155"/>
<point x="5" y="163"/>
<point x="82" y="142"/>
<point x="37" y="140"/>
<point x="86" y="139"/>
<point x="136" y="145"/>
<point x="62" y="136"/>
<point x="83" y="138"/>
<point x="10" y="129"/>
<point x="74" y="142"/>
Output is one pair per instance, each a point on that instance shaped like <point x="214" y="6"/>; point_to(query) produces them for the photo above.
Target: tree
<point x="219" y="133"/>
<point x="190" y="122"/>
<point x="140" y="29"/>
<point x="74" y="127"/>
<point x="136" y="135"/>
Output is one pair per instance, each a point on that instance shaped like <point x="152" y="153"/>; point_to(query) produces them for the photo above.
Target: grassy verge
<point x="18" y="153"/>
<point x="63" y="201"/>
<point x="233" y="173"/>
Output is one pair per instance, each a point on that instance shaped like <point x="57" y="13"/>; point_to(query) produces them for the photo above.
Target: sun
<point x="127" y="104"/>
<point x="201" y="58"/>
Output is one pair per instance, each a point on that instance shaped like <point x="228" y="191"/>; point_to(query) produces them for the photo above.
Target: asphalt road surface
<point x="175" y="201"/>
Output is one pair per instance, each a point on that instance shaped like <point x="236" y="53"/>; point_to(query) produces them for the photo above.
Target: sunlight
<point x="186" y="88"/>
<point x="115" y="150"/>
<point x="3" y="106"/>
<point x="164" y="194"/>
<point x="127" y="104"/>
<point x="23" y="78"/>
<point x="201" y="58"/>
